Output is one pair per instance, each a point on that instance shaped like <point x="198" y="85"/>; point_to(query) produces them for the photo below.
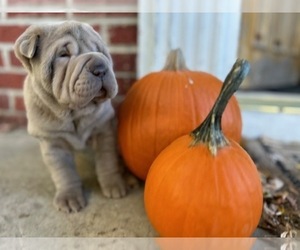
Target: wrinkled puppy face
<point x="70" y="61"/>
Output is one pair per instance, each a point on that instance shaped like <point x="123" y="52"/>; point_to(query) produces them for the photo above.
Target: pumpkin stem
<point x="210" y="132"/>
<point x="175" y="61"/>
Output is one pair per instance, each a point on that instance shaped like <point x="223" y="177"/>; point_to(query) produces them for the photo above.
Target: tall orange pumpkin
<point x="205" y="185"/>
<point x="165" y="105"/>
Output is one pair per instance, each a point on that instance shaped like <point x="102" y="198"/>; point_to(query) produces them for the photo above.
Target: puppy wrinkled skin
<point x="68" y="92"/>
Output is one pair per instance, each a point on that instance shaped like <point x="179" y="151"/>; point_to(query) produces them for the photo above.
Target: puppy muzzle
<point x="96" y="82"/>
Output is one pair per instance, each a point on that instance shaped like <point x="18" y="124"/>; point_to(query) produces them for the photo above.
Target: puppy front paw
<point x="69" y="200"/>
<point x="113" y="186"/>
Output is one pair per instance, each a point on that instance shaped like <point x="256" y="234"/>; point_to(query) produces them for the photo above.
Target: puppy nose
<point x="99" y="69"/>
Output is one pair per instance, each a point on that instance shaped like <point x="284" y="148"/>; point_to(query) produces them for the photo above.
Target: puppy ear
<point x="26" y="46"/>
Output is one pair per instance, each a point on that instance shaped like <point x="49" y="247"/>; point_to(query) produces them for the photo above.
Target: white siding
<point x="208" y="39"/>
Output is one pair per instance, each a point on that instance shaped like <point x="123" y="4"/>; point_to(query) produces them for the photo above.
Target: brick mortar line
<point x="104" y="33"/>
<point x="28" y="21"/>
<point x="123" y="49"/>
<point x="11" y="112"/>
<point x="6" y="45"/>
<point x="21" y="7"/>
<point x="76" y="7"/>
<point x="12" y="102"/>
<point x="120" y="21"/>
<point x="13" y="70"/>
<point x="63" y="8"/>
<point x="117" y="48"/>
<point x="116" y="21"/>
<point x="3" y="5"/>
<point x="12" y="94"/>
<point x="6" y="58"/>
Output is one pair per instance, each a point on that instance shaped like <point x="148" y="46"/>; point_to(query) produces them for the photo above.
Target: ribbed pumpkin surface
<point x="189" y="192"/>
<point x="202" y="184"/>
<point x="165" y="105"/>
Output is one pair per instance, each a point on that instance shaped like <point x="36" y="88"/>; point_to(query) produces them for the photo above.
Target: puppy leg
<point x="60" y="161"/>
<point x="107" y="165"/>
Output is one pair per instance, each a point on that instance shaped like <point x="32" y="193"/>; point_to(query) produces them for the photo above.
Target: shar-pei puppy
<point x="68" y="92"/>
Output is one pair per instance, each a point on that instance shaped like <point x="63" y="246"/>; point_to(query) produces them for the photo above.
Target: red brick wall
<point x="117" y="26"/>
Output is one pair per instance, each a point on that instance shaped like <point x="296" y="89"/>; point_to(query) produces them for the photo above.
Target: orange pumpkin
<point x="202" y="184"/>
<point x="165" y="105"/>
<point x="205" y="243"/>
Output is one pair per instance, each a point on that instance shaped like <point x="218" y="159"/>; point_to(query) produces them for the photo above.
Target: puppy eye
<point x="63" y="54"/>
